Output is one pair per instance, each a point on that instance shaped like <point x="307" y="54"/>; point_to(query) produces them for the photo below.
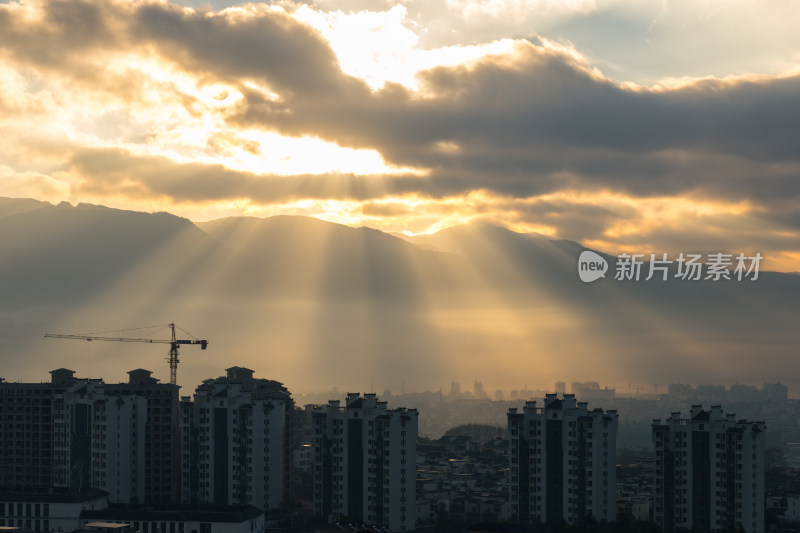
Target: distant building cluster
<point x="593" y="391"/>
<point x="590" y="390"/>
<point x="479" y="393"/>
<point x="736" y="392"/>
<point x="582" y="390"/>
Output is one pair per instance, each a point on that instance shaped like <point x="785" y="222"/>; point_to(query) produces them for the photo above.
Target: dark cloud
<point x="269" y="46"/>
<point x="543" y="99"/>
<point x="717" y="233"/>
<point x="67" y="28"/>
<point x="519" y="123"/>
<point x="112" y="171"/>
<point x="573" y="220"/>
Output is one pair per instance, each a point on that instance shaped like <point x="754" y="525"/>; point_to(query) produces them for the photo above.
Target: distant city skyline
<point x="490" y="390"/>
<point x="631" y="389"/>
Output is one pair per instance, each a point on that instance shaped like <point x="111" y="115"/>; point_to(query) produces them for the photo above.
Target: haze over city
<point x="238" y="149"/>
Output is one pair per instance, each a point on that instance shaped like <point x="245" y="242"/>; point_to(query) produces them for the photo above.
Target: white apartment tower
<point x="562" y="462"/>
<point x="118" y="448"/>
<point x="364" y="462"/>
<point x="709" y="472"/>
<point x="141" y="419"/>
<point x="236" y="440"/>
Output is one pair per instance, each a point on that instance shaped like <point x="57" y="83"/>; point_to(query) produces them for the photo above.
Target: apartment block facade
<point x="76" y="434"/>
<point x="364" y="462"/>
<point x="709" y="472"/>
<point x="562" y="461"/>
<point x="29" y="418"/>
<point x="237" y="442"/>
<point x="152" y="432"/>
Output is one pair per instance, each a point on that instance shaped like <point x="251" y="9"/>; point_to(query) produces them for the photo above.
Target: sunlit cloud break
<point x="412" y="118"/>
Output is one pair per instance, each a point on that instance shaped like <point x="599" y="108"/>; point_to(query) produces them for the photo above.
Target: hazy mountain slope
<point x="516" y="261"/>
<point x="300" y="289"/>
<point x="311" y="257"/>
<point x="673" y="329"/>
<point x="502" y="256"/>
<point x="64" y="254"/>
<point x="12" y="206"/>
<point x="315" y="304"/>
<point x="83" y="269"/>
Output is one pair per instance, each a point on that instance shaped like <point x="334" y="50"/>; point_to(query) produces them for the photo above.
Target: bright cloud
<point x="412" y="117"/>
<point x="379" y="47"/>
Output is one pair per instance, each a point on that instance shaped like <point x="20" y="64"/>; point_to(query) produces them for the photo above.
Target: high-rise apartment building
<point x="709" y="472"/>
<point x="364" y="462"/>
<point x="76" y="409"/>
<point x="562" y="461"/>
<point x="118" y="447"/>
<point x="77" y="434"/>
<point x="237" y="442"/>
<point x="30" y="416"/>
<point x="143" y="415"/>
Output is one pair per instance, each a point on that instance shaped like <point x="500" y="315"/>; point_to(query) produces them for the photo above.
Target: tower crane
<point x="173" y="350"/>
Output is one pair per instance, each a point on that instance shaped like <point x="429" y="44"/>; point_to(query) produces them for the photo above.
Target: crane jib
<point x="173" y="353"/>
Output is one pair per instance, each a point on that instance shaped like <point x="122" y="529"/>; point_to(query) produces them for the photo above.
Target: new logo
<point x="591" y="266"/>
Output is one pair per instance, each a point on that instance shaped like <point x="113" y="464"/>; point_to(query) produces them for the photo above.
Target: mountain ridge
<point x="318" y="303"/>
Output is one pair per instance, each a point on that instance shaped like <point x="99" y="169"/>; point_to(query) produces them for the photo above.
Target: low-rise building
<point x="35" y="511"/>
<point x="238" y="520"/>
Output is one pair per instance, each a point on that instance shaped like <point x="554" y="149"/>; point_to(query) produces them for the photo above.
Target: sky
<point x="628" y="126"/>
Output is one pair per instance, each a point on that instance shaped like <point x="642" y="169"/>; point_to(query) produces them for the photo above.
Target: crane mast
<point x="174" y="343"/>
